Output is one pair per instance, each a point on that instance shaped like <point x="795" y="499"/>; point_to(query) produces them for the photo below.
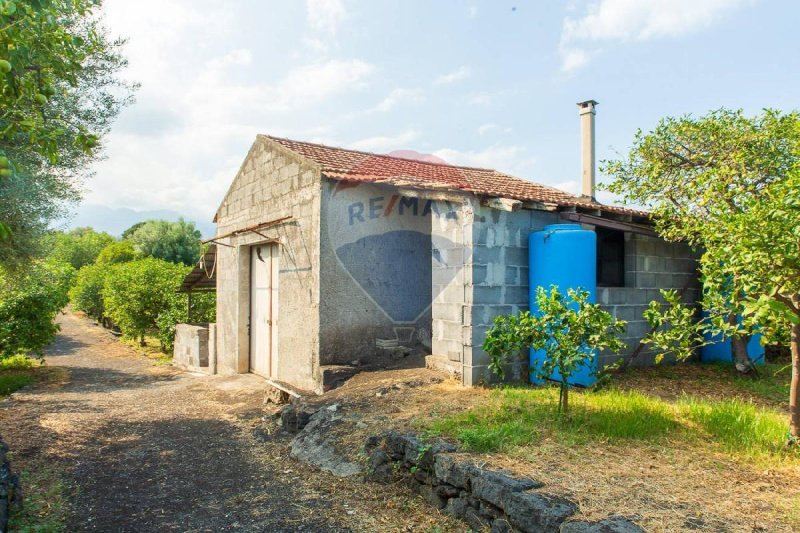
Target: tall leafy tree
<point x="58" y="96"/>
<point x="79" y="247"/>
<point x="729" y="184"/>
<point x="177" y="242"/>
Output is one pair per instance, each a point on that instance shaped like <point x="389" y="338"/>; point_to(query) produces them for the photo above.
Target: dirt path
<point x="147" y="448"/>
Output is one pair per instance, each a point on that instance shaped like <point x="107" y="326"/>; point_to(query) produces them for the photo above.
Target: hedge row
<point x="140" y="297"/>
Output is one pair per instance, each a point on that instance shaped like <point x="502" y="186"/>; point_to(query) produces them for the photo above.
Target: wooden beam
<point x="583" y="218"/>
<point x="502" y="204"/>
<point x="248" y="229"/>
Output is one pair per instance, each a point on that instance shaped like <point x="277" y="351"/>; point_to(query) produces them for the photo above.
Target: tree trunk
<point x="740" y="356"/>
<point x="739" y="349"/>
<point x="141" y="341"/>
<point x="564" y="396"/>
<point x="794" y="390"/>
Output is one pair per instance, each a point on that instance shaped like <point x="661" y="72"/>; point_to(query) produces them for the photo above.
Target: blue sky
<point x="482" y="83"/>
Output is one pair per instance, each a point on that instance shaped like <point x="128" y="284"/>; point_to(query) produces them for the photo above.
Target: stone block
<point x="532" y="512"/>
<point x="646" y="280"/>
<point x="453" y="471"/>
<point x="516" y="256"/>
<point x="614" y="524"/>
<point x="495" y="487"/>
<point x="516" y="294"/>
<point x="512" y="275"/>
<point x="487" y="295"/>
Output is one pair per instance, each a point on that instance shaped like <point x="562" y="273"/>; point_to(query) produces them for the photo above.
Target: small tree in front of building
<point x="566" y="327"/>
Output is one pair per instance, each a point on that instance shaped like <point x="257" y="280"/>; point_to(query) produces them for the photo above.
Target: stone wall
<point x="272" y="183"/>
<point x="193" y="347"/>
<point x="485" y="499"/>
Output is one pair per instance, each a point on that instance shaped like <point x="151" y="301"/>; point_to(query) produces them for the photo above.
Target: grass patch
<point x="151" y="350"/>
<point x="44" y="509"/>
<point x="16" y="372"/>
<point x="517" y="417"/>
<point x="739" y="427"/>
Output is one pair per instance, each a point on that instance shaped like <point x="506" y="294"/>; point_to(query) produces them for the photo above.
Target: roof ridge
<point x="387" y="156"/>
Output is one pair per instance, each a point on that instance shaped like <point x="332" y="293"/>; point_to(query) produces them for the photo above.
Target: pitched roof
<point x="354" y="165"/>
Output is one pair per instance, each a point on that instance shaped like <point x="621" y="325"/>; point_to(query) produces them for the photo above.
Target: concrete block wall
<point x="651" y="264"/>
<point x="499" y="275"/>
<point x="272" y="183"/>
<point x="451" y="275"/>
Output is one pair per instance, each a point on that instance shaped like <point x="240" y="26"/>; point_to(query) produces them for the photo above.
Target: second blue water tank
<point x="564" y="255"/>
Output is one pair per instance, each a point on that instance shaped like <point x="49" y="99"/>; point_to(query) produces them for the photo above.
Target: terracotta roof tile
<point x="354" y="165"/>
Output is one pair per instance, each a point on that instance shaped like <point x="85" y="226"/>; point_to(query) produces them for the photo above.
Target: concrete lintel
<point x="502" y="204"/>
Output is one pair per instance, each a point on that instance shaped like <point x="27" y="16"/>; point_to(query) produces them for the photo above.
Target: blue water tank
<point x="720" y="350"/>
<point x="564" y="255"/>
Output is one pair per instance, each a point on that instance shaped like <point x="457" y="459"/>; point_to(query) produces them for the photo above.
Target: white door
<point x="263" y="300"/>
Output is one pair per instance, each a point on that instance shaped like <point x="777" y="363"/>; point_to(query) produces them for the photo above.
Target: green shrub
<point x="78" y="248"/>
<point x="29" y="301"/>
<point x="87" y="293"/>
<point x="203" y="310"/>
<point x="135" y="293"/>
<point x="117" y="252"/>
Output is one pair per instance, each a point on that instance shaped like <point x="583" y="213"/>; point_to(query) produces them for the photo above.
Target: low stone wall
<point x="195" y="347"/>
<point x="10" y="493"/>
<point x="483" y="498"/>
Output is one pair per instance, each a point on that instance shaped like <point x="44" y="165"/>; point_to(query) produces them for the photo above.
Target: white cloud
<point x="385" y="143"/>
<point x="397" y="97"/>
<point x="512" y="159"/>
<point x="201" y="104"/>
<point x="620" y="21"/>
<point x="485" y="128"/>
<point x="325" y="15"/>
<point x="459" y="74"/>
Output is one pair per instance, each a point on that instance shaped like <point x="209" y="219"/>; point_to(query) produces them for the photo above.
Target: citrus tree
<point x="135" y="293"/>
<point x="729" y="184"/>
<point x="29" y="302"/>
<point x="567" y="327"/>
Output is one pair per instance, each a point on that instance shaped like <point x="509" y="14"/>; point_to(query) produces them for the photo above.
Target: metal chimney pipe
<point x="587" y="113"/>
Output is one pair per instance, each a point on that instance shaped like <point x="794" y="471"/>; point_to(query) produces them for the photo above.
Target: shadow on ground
<point x="184" y="475"/>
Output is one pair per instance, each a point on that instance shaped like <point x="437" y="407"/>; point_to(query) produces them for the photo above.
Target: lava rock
<point x="533" y="512"/>
<point x="454" y="472"/>
<point x="613" y="524"/>
<point x="495" y="487"/>
<point x="313" y="445"/>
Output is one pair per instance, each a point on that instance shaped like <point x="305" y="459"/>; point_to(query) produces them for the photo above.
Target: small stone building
<point x="328" y="258"/>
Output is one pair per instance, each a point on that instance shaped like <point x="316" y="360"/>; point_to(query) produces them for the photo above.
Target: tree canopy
<point x="176" y="242"/>
<point x="58" y="96"/>
<point x="79" y="247"/>
<point x="729" y="184"/>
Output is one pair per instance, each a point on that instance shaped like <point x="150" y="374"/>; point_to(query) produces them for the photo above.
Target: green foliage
<point x="676" y="327"/>
<point x="568" y="328"/>
<point x="78" y="247"/>
<point x="729" y="184"/>
<point x="177" y="312"/>
<point x="87" y="293"/>
<point x="135" y="293"/>
<point x="29" y="301"/>
<point x="177" y="242"/>
<point x="117" y="252"/>
<point x="130" y="231"/>
<point x="58" y="96"/>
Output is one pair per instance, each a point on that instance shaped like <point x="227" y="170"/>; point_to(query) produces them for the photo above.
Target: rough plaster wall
<point x="651" y="264"/>
<point x="375" y="271"/>
<point x="272" y="183"/>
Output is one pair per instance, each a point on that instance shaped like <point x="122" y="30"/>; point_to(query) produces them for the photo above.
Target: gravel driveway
<point x="149" y="448"/>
